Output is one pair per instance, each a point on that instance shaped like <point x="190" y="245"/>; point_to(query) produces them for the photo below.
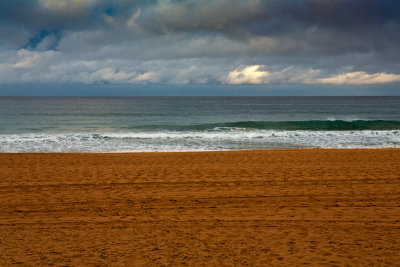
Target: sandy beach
<point x="321" y="207"/>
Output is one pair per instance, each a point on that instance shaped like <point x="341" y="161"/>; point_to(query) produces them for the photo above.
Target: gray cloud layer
<point x="218" y="42"/>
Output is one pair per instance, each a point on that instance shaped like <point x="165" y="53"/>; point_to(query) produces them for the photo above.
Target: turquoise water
<point x="131" y="124"/>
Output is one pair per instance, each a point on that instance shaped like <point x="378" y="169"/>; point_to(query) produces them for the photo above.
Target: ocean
<point x="145" y="124"/>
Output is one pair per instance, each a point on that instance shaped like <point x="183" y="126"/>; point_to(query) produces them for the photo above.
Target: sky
<point x="209" y="47"/>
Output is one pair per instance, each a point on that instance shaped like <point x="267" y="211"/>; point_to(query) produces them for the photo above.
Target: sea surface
<point x="138" y="124"/>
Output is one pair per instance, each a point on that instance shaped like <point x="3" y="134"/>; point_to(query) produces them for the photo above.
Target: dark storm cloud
<point x="347" y="24"/>
<point x="209" y="41"/>
<point x="273" y="17"/>
<point x="268" y="16"/>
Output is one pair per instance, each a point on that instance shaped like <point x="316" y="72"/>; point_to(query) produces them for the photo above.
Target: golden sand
<point x="273" y="207"/>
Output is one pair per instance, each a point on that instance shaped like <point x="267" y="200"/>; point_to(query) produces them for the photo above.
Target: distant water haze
<point x="133" y="124"/>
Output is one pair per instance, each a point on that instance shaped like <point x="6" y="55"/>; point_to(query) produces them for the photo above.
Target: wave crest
<point x="310" y="125"/>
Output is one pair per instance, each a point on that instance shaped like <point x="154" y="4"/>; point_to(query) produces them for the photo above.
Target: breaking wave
<point x="311" y="125"/>
<point x="221" y="137"/>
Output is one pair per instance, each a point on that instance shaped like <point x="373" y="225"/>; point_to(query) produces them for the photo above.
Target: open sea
<point x="138" y="124"/>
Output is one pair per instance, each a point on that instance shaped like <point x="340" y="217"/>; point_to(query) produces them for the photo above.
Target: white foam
<point x="217" y="139"/>
<point x="347" y="118"/>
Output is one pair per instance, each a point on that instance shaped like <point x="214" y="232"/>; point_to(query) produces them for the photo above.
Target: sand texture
<point x="310" y="207"/>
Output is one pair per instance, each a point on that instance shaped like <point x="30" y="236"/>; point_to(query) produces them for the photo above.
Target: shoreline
<point x="256" y="207"/>
<point x="204" y="151"/>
